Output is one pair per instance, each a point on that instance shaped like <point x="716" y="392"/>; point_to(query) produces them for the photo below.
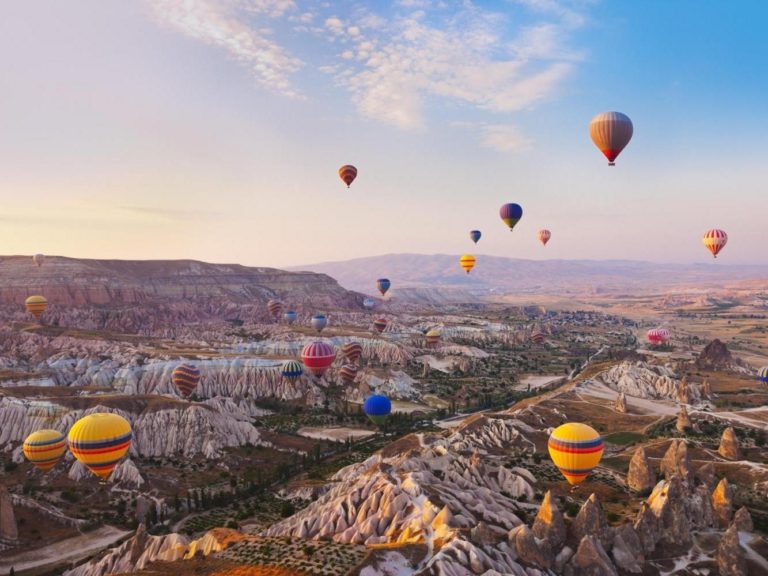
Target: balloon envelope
<point x="576" y="449"/>
<point x="511" y="214"/>
<point x="317" y="357"/>
<point x="318" y="322"/>
<point x="467" y="262"/>
<point x="369" y="303"/>
<point x="348" y="373"/>
<point x="544" y="236"/>
<point x="291" y="370"/>
<point x="352" y="351"/>
<point x="715" y="240"/>
<point x="433" y="337"/>
<point x="611" y="132"/>
<point x="380" y="324"/>
<point x="186" y="377"/>
<point x="348" y="173"/>
<point x="45" y="448"/>
<point x="38" y="259"/>
<point x="475" y="235"/>
<point x="36" y="305"/>
<point x="538" y="337"/>
<point x="383" y="285"/>
<point x="275" y="307"/>
<point x="290" y="316"/>
<point x="378" y="408"/>
<point x="99" y="441"/>
<point x="762" y="375"/>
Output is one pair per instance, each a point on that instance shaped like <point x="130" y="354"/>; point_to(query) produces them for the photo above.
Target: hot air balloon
<point x="291" y="370"/>
<point x="369" y="303"/>
<point x="475" y="235"/>
<point x="348" y="373"/>
<point x="380" y="324"/>
<point x="433" y="337"/>
<point x="383" y="285"/>
<point x="467" y="262"/>
<point x="318" y="357"/>
<point x="715" y="240"/>
<point x="185" y="377"/>
<point x="275" y="307"/>
<point x="348" y="173"/>
<point x="290" y="316"/>
<point x="611" y="132"/>
<point x="352" y="351"/>
<point x="658" y="335"/>
<point x="576" y="450"/>
<point x="378" y="408"/>
<point x="36" y="305"/>
<point x="99" y="441"/>
<point x="45" y="448"/>
<point x="762" y="374"/>
<point x="537" y="337"/>
<point x="318" y="322"/>
<point x="511" y="214"/>
<point x="544" y="236"/>
<point x="38" y="259"/>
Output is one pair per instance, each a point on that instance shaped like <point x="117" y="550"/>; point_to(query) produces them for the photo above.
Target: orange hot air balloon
<point x="36" y="305"/>
<point x="576" y="449"/>
<point x="611" y="132"/>
<point x="544" y="236"/>
<point x="467" y="262"/>
<point x="348" y="173"/>
<point x="348" y="372"/>
<point x="715" y="240"/>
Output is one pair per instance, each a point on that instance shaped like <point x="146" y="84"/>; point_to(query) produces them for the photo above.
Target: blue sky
<point x="213" y="129"/>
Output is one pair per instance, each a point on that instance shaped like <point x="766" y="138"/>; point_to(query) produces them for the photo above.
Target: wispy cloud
<point x="227" y="25"/>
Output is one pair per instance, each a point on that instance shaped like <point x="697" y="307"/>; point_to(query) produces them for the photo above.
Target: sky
<point x="214" y="129"/>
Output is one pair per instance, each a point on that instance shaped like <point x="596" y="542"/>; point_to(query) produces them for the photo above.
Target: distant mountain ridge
<point x="441" y="274"/>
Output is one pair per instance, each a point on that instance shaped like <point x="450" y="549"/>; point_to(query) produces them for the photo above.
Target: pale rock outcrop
<point x="9" y="533"/>
<point x="743" y="520"/>
<point x="549" y="524"/>
<point x="729" y="445"/>
<point x="722" y="503"/>
<point x="620" y="405"/>
<point x="730" y="554"/>
<point x="641" y="477"/>
<point x="676" y="461"/>
<point x="643" y="380"/>
<point x="627" y="551"/>
<point x="683" y="423"/>
<point x="591" y="559"/>
<point x="591" y="521"/>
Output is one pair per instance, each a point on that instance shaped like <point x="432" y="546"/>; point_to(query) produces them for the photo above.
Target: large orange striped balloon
<point x="576" y="449"/>
<point x="611" y="132"/>
<point x="352" y="351"/>
<point x="45" y="448"/>
<point x="467" y="262"/>
<point x="100" y="441"/>
<point x="36" y="305"/>
<point x="348" y="173"/>
<point x="544" y="236"/>
<point x="715" y="240"/>
<point x="186" y="377"/>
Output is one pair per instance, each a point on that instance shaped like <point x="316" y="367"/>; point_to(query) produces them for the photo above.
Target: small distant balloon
<point x="715" y="240"/>
<point x="537" y="337"/>
<point x="275" y="308"/>
<point x="611" y="132"/>
<point x="185" y="378"/>
<point x="348" y="173"/>
<point x="380" y="324"/>
<point x="467" y="262"/>
<point x="348" y="372"/>
<point x="45" y="448"/>
<point x="318" y="322"/>
<point x="38" y="259"/>
<point x="317" y="357"/>
<point x="475" y="235"/>
<point x="36" y="305"/>
<point x="433" y="337"/>
<point x="377" y="408"/>
<point x="658" y="335"/>
<point x="511" y="214"/>
<point x="352" y="351"/>
<point x="383" y="285"/>
<point x="291" y="370"/>
<point x="544" y="236"/>
<point x="762" y="375"/>
<point x="369" y="303"/>
<point x="290" y="316"/>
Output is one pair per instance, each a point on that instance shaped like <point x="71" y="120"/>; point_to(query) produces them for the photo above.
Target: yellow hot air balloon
<point x="99" y="441"/>
<point x="45" y="448"/>
<point x="467" y="262"/>
<point x="575" y="449"/>
<point x="36" y="305"/>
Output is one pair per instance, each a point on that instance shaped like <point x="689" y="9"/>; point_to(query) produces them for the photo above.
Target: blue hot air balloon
<point x="762" y="375"/>
<point x="475" y="235"/>
<point x="290" y="316"/>
<point x="318" y="322"/>
<point x="369" y="303"/>
<point x="378" y="408"/>
<point x="511" y="214"/>
<point x="383" y="285"/>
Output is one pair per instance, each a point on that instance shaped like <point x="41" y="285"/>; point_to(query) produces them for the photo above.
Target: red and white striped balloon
<point x="715" y="240"/>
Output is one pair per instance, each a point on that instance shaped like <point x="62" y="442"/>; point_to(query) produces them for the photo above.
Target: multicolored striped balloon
<point x="576" y="449"/>
<point x="611" y="132"/>
<point x="433" y="337"/>
<point x="475" y="235"/>
<point x="36" y="305"/>
<point x="348" y="372"/>
<point x="348" y="173"/>
<point x="275" y="307"/>
<point x="380" y="324"/>
<point x="537" y="337"/>
<point x="352" y="351"/>
<point x="544" y="236"/>
<point x="383" y="285"/>
<point x="317" y="357"/>
<point x="467" y="262"/>
<point x="511" y="214"/>
<point x="99" y="441"/>
<point x="715" y="240"/>
<point x="185" y="377"/>
<point x="45" y="448"/>
<point x="291" y="370"/>
<point x="762" y="374"/>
